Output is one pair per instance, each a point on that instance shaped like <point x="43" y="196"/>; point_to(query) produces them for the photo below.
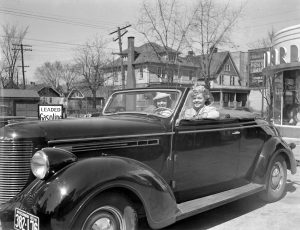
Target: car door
<point x="205" y="157"/>
<point x="252" y="141"/>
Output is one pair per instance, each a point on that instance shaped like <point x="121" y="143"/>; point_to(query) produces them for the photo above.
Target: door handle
<point x="236" y="132"/>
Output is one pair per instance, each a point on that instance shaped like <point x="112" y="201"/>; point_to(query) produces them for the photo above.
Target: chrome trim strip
<point x="219" y="129"/>
<point x="101" y="148"/>
<point x="110" y="145"/>
<point x="106" y="138"/>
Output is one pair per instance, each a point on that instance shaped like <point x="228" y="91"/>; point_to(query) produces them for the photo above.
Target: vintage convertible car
<point x="135" y="161"/>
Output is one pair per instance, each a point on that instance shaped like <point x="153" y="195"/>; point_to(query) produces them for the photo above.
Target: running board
<point x="203" y="204"/>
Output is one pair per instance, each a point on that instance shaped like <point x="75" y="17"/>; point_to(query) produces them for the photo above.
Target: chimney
<point x="213" y="49"/>
<point x="131" y="83"/>
<point x="191" y="53"/>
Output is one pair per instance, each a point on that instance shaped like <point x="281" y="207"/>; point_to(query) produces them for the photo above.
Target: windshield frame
<point x="173" y="90"/>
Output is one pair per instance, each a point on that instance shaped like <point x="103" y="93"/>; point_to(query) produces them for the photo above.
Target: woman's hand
<point x="201" y="116"/>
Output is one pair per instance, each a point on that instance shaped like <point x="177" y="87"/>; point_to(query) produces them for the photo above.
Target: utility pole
<point x="22" y="49"/>
<point x="120" y="35"/>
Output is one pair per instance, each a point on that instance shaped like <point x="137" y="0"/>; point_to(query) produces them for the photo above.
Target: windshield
<point x="157" y="102"/>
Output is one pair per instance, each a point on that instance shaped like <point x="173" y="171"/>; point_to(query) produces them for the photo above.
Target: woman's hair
<point x="200" y="89"/>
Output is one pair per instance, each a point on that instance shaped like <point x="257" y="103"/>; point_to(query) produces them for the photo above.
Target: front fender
<point x="272" y="147"/>
<point x="59" y="200"/>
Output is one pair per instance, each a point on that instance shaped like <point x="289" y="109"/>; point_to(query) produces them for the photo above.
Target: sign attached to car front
<point x="25" y="221"/>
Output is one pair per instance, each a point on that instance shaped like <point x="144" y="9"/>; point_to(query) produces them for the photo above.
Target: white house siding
<point x="226" y="81"/>
<point x="149" y="75"/>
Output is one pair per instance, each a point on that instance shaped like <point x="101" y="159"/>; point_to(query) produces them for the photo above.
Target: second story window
<point x="221" y="79"/>
<point x="171" y="57"/>
<point x="231" y="80"/>
<point x="227" y="67"/>
<point x="159" y="71"/>
<point x="141" y="72"/>
<point x="190" y="75"/>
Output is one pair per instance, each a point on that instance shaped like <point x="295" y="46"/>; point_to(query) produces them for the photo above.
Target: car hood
<point x="104" y="126"/>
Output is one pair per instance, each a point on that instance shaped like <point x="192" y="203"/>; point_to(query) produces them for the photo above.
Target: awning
<point x="281" y="68"/>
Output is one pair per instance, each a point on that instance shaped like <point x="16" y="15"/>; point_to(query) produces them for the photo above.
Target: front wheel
<point x="110" y="212"/>
<point x="276" y="180"/>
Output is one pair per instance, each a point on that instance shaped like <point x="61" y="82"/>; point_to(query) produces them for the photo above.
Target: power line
<point x="51" y="19"/>
<point x="59" y="16"/>
<point x="59" y="43"/>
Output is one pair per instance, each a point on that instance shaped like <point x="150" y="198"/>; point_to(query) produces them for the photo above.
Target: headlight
<point x="40" y="164"/>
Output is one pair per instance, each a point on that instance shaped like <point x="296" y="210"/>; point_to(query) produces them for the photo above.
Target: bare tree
<point x="69" y="75"/>
<point x="90" y="60"/>
<point x="3" y="76"/>
<point x="50" y="73"/>
<point x="12" y="35"/>
<point x="211" y="29"/>
<point x="268" y="90"/>
<point x="264" y="42"/>
<point x="167" y="24"/>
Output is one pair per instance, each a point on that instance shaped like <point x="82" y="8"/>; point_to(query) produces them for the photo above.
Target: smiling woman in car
<point x="202" y="107"/>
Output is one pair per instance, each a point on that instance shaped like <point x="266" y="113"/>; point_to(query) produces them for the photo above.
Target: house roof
<point x="39" y="87"/>
<point x="19" y="93"/>
<point x="147" y="53"/>
<point x="216" y="62"/>
<point x="73" y="91"/>
<point x="151" y="47"/>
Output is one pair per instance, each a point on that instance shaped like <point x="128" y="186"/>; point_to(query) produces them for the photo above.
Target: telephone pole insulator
<point x="22" y="49"/>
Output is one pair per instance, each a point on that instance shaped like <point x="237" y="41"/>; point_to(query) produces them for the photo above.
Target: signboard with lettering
<point x="256" y="65"/>
<point x="50" y="112"/>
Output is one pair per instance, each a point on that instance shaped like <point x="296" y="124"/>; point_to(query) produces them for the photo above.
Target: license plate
<point x="25" y="221"/>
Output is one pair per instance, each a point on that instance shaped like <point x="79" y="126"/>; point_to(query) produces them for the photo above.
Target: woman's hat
<point x="161" y="95"/>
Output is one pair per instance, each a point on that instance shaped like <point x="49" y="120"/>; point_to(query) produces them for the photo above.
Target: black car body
<point x="163" y="167"/>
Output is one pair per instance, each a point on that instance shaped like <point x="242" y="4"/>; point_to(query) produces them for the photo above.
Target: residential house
<point x="151" y="64"/>
<point x="48" y="95"/>
<point x="228" y="87"/>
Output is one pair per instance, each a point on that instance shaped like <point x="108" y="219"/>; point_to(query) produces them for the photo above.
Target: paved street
<point x="251" y="214"/>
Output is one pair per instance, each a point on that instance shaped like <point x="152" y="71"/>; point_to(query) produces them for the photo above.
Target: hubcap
<point x="108" y="218"/>
<point x="103" y="224"/>
<point x="277" y="176"/>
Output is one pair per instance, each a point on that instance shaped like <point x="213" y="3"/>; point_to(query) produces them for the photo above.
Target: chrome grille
<point x="15" y="159"/>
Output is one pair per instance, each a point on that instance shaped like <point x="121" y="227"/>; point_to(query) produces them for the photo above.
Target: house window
<point x="190" y="75"/>
<point x="231" y="80"/>
<point x="115" y="77"/>
<point x="159" y="71"/>
<point x="141" y="73"/>
<point x="171" y="74"/>
<point x="221" y="80"/>
<point x="171" y="57"/>
<point x="227" y="67"/>
<point x="50" y="101"/>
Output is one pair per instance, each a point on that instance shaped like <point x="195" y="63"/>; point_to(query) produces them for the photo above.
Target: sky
<point x="57" y="27"/>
